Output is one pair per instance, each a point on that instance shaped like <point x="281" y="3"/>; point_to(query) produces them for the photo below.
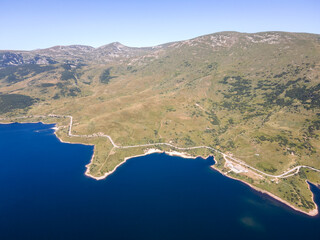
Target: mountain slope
<point x="255" y="97"/>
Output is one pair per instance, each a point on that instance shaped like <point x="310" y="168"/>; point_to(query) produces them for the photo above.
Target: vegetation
<point x="67" y="75"/>
<point x="10" y="102"/>
<point x="105" y="76"/>
<point x="14" y="74"/>
<point x="239" y="93"/>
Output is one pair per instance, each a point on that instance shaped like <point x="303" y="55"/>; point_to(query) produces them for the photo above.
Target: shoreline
<point x="105" y="175"/>
<point x="87" y="173"/>
<point x="148" y="152"/>
<point x="312" y="213"/>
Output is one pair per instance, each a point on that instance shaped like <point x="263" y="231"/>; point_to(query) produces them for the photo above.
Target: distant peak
<point x="113" y="44"/>
<point x="117" y="44"/>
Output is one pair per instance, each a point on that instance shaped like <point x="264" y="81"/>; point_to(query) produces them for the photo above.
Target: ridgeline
<point x="253" y="97"/>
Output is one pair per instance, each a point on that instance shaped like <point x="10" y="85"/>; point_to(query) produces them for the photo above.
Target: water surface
<point x="45" y="195"/>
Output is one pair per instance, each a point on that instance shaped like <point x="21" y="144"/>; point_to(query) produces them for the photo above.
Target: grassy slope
<point x="240" y="96"/>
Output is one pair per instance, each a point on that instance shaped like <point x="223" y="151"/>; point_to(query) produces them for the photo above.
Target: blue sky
<point x="32" y="24"/>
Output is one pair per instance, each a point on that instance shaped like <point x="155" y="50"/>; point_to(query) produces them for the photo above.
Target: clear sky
<point x="32" y="24"/>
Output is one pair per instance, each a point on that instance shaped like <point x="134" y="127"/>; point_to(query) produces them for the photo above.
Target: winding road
<point x="288" y="173"/>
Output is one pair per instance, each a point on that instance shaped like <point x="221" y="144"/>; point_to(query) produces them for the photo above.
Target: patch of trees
<point x="281" y="140"/>
<point x="66" y="90"/>
<point x="253" y="115"/>
<point x="242" y="105"/>
<point x="294" y="196"/>
<point x="314" y="125"/>
<point x="238" y="92"/>
<point x="310" y="97"/>
<point x="15" y="74"/>
<point x="292" y="70"/>
<point x="45" y="85"/>
<point x="265" y="85"/>
<point x="213" y="118"/>
<point x="10" y="102"/>
<point x="70" y="92"/>
<point x="70" y="72"/>
<point x="67" y="75"/>
<point x="105" y="77"/>
<point x="280" y="75"/>
<point x="267" y="167"/>
<point x="66" y="66"/>
<point x="289" y="144"/>
<point x="74" y="91"/>
<point x="273" y="93"/>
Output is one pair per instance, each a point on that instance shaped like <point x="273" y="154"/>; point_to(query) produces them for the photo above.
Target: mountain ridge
<point x="116" y="50"/>
<point x="255" y="97"/>
<point x="65" y="51"/>
<point x="154" y="46"/>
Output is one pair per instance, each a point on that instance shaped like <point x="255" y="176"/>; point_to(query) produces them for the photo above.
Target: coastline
<point x="311" y="213"/>
<point x="148" y="152"/>
<point x="87" y="172"/>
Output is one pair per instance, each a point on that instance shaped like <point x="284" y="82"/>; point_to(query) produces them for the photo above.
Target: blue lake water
<point x="44" y="194"/>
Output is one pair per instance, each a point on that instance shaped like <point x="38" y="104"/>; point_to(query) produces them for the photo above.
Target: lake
<point x="45" y="195"/>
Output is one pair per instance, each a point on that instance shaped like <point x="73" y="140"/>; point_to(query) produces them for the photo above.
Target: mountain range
<point x="254" y="97"/>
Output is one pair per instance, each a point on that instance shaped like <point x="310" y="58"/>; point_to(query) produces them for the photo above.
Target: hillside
<point x="254" y="97"/>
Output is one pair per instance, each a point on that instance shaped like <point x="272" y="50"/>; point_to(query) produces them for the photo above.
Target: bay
<point x="44" y="194"/>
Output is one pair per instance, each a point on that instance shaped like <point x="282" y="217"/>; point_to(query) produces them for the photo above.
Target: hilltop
<point x="254" y="97"/>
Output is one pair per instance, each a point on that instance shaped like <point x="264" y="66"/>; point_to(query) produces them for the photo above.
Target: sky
<point x="34" y="24"/>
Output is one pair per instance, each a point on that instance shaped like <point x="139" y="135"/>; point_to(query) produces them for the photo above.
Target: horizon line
<point x="116" y="42"/>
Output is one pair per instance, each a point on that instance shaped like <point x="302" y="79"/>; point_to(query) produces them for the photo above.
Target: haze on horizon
<point x="28" y="25"/>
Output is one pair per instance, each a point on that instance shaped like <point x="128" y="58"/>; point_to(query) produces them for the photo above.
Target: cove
<point x="45" y="195"/>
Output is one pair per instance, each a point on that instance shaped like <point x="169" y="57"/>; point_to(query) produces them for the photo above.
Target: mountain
<point x="254" y="97"/>
<point x="72" y="54"/>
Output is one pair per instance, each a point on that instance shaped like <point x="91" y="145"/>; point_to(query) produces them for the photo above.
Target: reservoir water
<point x="44" y="194"/>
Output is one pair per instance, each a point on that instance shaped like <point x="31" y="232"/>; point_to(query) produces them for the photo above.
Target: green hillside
<point x="254" y="97"/>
